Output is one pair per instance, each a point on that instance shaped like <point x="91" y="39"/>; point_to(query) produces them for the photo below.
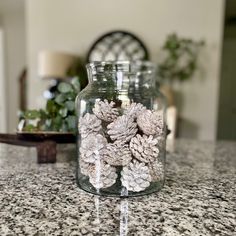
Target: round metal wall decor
<point x="117" y="46"/>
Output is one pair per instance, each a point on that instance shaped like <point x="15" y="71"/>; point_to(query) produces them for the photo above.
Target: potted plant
<point x="180" y="62"/>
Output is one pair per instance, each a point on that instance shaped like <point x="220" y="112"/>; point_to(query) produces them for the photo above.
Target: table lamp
<point x="54" y="66"/>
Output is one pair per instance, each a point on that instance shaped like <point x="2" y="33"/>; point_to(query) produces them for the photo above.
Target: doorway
<point x="2" y="86"/>
<point x="227" y="101"/>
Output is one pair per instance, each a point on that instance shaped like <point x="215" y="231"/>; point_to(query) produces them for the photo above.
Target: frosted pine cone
<point x="134" y="110"/>
<point x="102" y="175"/>
<point x="91" y="147"/>
<point x="136" y="176"/>
<point x="117" y="154"/>
<point x="89" y="124"/>
<point x="84" y="166"/>
<point x="150" y="122"/>
<point x="144" y="148"/>
<point x="105" y="110"/>
<point x="156" y="170"/>
<point x="122" y="129"/>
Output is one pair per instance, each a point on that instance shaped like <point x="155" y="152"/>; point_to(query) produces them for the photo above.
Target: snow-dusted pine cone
<point x="122" y="129"/>
<point x="136" y="176"/>
<point x="91" y="147"/>
<point x="134" y="110"/>
<point x="88" y="124"/>
<point x="84" y="166"/>
<point x="117" y="154"/>
<point x="156" y="170"/>
<point x="102" y="175"/>
<point x="144" y="148"/>
<point x="150" y="122"/>
<point x="105" y="110"/>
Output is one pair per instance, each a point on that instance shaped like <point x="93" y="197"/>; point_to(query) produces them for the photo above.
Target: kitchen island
<point x="199" y="196"/>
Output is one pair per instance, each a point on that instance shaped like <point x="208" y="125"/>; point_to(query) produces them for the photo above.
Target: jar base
<point x="114" y="191"/>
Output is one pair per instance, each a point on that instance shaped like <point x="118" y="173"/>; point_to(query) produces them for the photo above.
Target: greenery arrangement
<point x="77" y="69"/>
<point x="59" y="114"/>
<point x="181" y="58"/>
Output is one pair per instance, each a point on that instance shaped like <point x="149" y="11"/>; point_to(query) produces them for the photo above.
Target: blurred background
<point x="205" y="99"/>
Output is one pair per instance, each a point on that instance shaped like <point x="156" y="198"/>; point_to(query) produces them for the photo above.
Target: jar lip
<point x="127" y="67"/>
<point x="95" y="64"/>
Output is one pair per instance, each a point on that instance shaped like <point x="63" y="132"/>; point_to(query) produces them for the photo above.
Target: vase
<point x="121" y="131"/>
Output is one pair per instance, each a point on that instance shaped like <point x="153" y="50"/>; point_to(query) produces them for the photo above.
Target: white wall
<point x="73" y="25"/>
<point x="12" y="20"/>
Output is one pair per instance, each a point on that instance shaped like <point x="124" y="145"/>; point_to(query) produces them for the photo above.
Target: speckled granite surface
<point x="199" y="197"/>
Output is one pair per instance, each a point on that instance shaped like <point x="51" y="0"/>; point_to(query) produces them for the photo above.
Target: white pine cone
<point x="134" y="110"/>
<point x="102" y="175"/>
<point x="136" y="176"/>
<point x="144" y="148"/>
<point x="117" y="154"/>
<point x="122" y="129"/>
<point x="156" y="170"/>
<point x="150" y="122"/>
<point x="88" y="124"/>
<point x="105" y="110"/>
<point x="84" y="166"/>
<point x="91" y="147"/>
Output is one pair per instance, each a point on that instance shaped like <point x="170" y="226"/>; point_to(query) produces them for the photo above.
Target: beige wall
<point x="72" y="26"/>
<point x="12" y="21"/>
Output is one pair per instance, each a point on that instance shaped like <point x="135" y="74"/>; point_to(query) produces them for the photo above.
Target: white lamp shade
<point x="54" y="64"/>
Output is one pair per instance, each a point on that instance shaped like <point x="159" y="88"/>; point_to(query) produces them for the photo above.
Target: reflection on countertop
<point x="198" y="198"/>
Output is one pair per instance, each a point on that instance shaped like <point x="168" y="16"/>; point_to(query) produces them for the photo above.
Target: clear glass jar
<point x="121" y="131"/>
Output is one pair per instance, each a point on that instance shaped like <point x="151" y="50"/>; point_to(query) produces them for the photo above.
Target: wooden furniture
<point x="45" y="143"/>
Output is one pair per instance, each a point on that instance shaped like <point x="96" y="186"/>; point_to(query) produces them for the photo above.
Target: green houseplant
<point x="59" y="113"/>
<point x="179" y="63"/>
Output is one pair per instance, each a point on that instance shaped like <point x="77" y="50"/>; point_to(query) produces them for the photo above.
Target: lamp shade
<point x="54" y="64"/>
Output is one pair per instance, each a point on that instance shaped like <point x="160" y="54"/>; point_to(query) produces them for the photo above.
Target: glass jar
<point x="121" y="131"/>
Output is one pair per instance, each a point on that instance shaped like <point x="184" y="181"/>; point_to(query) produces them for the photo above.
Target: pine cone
<point x="156" y="170"/>
<point x="84" y="166"/>
<point x="105" y="110"/>
<point x="102" y="175"/>
<point x="136" y="176"/>
<point x="122" y="129"/>
<point x="117" y="154"/>
<point x="89" y="124"/>
<point x="144" y="148"/>
<point x="150" y="122"/>
<point x="134" y="110"/>
<point x="91" y="147"/>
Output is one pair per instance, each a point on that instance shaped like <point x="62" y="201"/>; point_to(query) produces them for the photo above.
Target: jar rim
<point x="127" y="67"/>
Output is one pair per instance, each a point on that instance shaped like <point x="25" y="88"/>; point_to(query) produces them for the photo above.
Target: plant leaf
<point x="63" y="112"/>
<point x="52" y="108"/>
<point x="32" y="114"/>
<point x="64" y="87"/>
<point x="30" y="128"/>
<point x="60" y="98"/>
<point x="70" y="105"/>
<point x="76" y="84"/>
<point x="71" y="122"/>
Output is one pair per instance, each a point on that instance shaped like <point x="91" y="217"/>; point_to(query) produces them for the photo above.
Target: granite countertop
<point x="199" y="197"/>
